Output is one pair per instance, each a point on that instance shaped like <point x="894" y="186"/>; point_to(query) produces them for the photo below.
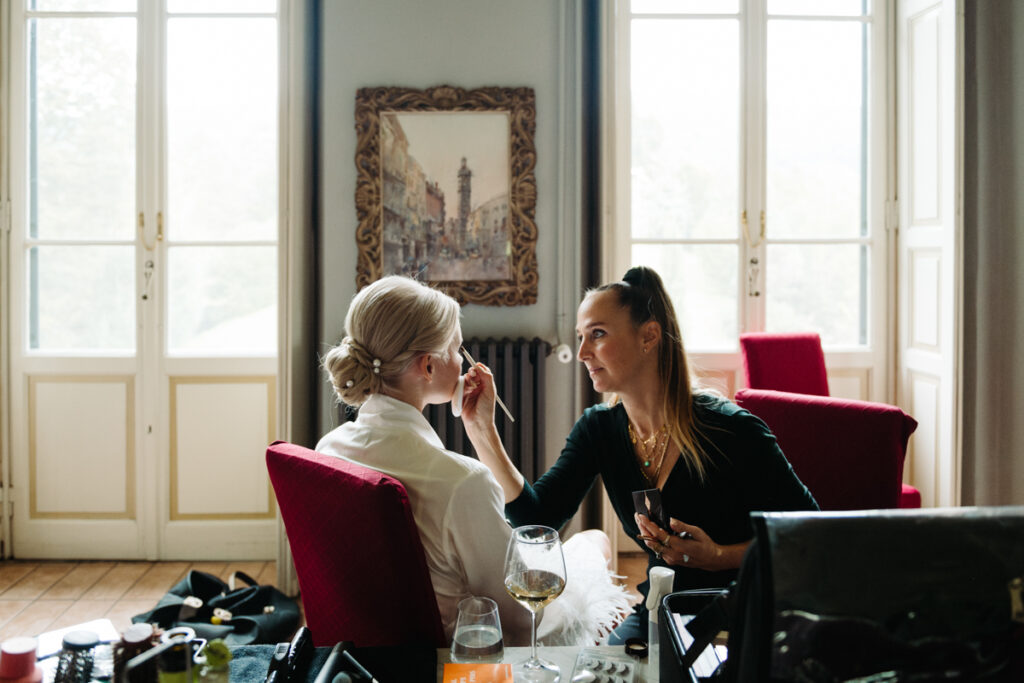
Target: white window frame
<point x="856" y="372"/>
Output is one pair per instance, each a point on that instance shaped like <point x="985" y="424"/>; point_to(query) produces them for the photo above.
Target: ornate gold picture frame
<point x="445" y="190"/>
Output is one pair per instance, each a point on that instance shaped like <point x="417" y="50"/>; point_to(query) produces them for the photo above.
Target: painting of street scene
<point x="445" y="195"/>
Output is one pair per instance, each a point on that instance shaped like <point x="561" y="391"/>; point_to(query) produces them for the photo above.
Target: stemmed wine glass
<point x="534" y="576"/>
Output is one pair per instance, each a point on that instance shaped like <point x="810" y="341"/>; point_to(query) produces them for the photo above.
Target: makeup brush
<point x="496" y="397"/>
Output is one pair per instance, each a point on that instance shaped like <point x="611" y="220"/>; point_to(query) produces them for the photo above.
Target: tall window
<point x="211" y="177"/>
<point x="756" y="164"/>
<point x="80" y="177"/>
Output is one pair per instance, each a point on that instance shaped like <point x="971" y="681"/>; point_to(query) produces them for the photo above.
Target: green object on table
<point x="215" y="669"/>
<point x="217" y="653"/>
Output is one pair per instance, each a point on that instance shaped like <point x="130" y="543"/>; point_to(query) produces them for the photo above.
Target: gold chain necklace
<point x="648" y="447"/>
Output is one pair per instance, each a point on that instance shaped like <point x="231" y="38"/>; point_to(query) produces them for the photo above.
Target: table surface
<point x="564" y="657"/>
<point x="250" y="664"/>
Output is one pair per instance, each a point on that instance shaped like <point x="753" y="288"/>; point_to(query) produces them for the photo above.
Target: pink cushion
<point x="358" y="556"/>
<point x="784" y="362"/>
<point x="849" y="453"/>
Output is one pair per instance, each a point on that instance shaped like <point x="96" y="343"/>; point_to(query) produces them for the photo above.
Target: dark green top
<point x="746" y="472"/>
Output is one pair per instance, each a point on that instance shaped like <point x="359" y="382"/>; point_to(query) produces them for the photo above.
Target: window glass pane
<point x="82" y="5"/>
<point x="684" y="6"/>
<point x="703" y="281"/>
<point x="819" y="288"/>
<point x="685" y="128"/>
<point x="222" y="129"/>
<point x="82" y="128"/>
<point x="841" y="8"/>
<point x="222" y="300"/>
<point x="221" y="6"/>
<point x="816" y="145"/>
<point x="81" y="298"/>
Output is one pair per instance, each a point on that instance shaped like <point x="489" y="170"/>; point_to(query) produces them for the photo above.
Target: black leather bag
<point x="252" y="614"/>
<point x="898" y="595"/>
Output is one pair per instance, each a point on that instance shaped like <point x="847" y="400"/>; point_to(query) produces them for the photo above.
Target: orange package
<point x="477" y="673"/>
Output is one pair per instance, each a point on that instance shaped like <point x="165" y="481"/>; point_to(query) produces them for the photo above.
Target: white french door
<point x="145" y="215"/>
<point x="930" y="190"/>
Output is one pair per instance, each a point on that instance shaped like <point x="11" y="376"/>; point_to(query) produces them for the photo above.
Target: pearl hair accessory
<point x="376" y="366"/>
<point x="349" y="384"/>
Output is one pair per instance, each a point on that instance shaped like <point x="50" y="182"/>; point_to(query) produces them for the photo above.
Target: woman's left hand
<point x="685" y="546"/>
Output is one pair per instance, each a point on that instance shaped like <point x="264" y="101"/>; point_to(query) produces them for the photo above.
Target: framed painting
<point x="445" y="190"/>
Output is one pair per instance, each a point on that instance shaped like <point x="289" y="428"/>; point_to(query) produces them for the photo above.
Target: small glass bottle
<point x="76" y="657"/>
<point x="175" y="663"/>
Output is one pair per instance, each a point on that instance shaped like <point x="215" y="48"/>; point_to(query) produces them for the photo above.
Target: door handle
<point x="159" y="230"/>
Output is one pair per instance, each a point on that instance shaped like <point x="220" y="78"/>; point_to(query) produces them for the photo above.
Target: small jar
<point x="76" y="657"/>
<point x="136" y="639"/>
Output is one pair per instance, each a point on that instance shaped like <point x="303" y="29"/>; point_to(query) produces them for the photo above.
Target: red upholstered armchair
<point x="358" y="556"/>
<point x="849" y="453"/>
<point x="785" y="362"/>
<point x="796" y="362"/>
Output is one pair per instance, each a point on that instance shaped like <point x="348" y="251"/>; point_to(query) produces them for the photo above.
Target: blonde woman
<point x="401" y="352"/>
<point x="713" y="462"/>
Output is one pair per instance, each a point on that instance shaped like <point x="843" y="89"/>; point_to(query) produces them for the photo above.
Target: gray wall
<point x="466" y="43"/>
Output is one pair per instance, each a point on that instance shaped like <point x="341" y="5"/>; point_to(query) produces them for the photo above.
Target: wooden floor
<point x="36" y="597"/>
<point x="42" y="596"/>
<point x="633" y="566"/>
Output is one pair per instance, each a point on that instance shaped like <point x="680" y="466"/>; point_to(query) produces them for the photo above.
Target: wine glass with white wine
<point x="534" y="576"/>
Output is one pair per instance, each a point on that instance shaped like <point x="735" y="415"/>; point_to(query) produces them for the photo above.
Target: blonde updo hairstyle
<point x="390" y="323"/>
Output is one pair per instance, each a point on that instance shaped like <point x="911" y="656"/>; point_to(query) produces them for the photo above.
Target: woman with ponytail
<point x="713" y="462"/>
<point x="401" y="352"/>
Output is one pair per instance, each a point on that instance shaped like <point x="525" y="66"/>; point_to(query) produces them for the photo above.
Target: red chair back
<point x="785" y="362"/>
<point x="849" y="453"/>
<point x="361" y="567"/>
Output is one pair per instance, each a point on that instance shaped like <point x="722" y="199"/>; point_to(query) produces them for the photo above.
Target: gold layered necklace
<point x="654" y="445"/>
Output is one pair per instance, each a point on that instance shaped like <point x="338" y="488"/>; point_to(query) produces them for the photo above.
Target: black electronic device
<point x="341" y="661"/>
<point x="648" y="502"/>
<point x="290" y="661"/>
<point x="332" y="666"/>
<point x="358" y="668"/>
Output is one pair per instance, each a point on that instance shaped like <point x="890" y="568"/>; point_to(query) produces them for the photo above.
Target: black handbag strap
<point x="201" y="584"/>
<point x="242" y="576"/>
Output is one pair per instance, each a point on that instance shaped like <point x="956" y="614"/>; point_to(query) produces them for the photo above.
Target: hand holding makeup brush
<point x="478" y="418"/>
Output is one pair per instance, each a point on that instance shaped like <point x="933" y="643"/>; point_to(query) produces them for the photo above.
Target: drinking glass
<point x="477" y="631"/>
<point x="534" y="576"/>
